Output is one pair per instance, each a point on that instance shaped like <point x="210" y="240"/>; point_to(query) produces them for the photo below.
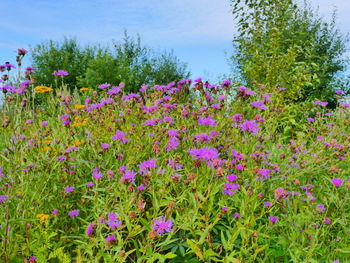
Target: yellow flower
<point x="42" y="89"/>
<point x="78" y="106"/>
<point x="82" y="89"/>
<point x="43" y="217"/>
<point x="78" y="143"/>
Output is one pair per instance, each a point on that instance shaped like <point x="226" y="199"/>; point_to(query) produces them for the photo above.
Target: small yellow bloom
<point x="43" y="217"/>
<point x="42" y="89"/>
<point x="78" y="106"/>
<point x="82" y="89"/>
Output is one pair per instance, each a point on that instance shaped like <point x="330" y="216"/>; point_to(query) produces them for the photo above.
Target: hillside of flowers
<point x="185" y="172"/>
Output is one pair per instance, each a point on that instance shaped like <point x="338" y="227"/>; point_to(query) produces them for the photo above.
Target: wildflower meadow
<point x="191" y="171"/>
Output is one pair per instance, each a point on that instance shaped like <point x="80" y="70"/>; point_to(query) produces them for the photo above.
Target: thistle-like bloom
<point x="273" y="219"/>
<point x="73" y="213"/>
<point x="162" y="226"/>
<point x="114" y="90"/>
<point x="105" y="145"/>
<point x="259" y="104"/>
<point x="250" y="126"/>
<point x="3" y="198"/>
<point x="110" y="239"/>
<point x="128" y="176"/>
<point x="205" y="154"/>
<point x="96" y="173"/>
<point x="320" y="208"/>
<point x="230" y="189"/>
<point x="21" y="51"/>
<point x="113" y="221"/>
<point x="90" y="230"/>
<point x="69" y="189"/>
<point x="104" y="86"/>
<point x="147" y="165"/>
<point x="173" y="143"/>
<point x="337" y="182"/>
<point x="60" y="73"/>
<point x="120" y="136"/>
<point x="207" y="121"/>
<point x="231" y="177"/>
<point x="327" y="221"/>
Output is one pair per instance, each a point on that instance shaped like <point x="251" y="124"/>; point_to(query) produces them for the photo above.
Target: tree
<point x="134" y="64"/>
<point x="60" y="55"/>
<point x="128" y="61"/>
<point x="281" y="44"/>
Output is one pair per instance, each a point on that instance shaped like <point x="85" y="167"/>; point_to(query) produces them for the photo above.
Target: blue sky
<point x="199" y="31"/>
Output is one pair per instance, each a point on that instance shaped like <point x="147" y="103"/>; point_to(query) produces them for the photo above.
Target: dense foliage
<point x="161" y="176"/>
<point x="280" y="43"/>
<point x="128" y="61"/>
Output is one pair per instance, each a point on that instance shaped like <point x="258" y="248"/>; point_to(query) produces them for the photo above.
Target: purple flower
<point x="105" y="145"/>
<point x="173" y="143"/>
<point x="128" y="176"/>
<point x="32" y="259"/>
<point x="205" y="154"/>
<point x="310" y="119"/>
<point x="90" y="230"/>
<point x="113" y="221"/>
<point x="250" y="126"/>
<point x="141" y="187"/>
<point x="30" y="69"/>
<point x="89" y="185"/>
<point x="22" y="51"/>
<point x="207" y="121"/>
<point x="3" y="198"/>
<point x="73" y="213"/>
<point x="259" y="104"/>
<point x="267" y="204"/>
<point x="54" y="212"/>
<point x="230" y="189"/>
<point x="273" y="219"/>
<point x="339" y="91"/>
<point x="162" y="226"/>
<point x="114" y="90"/>
<point x="69" y="189"/>
<point x="104" y="86"/>
<point x="120" y="136"/>
<point x="110" y="239"/>
<point x="147" y="165"/>
<point x="226" y="83"/>
<point x="44" y="124"/>
<point x="96" y="173"/>
<point x="321" y="208"/>
<point x="173" y="133"/>
<point x="231" y="177"/>
<point x="236" y="215"/>
<point x="150" y="122"/>
<point x="60" y="73"/>
<point x="327" y="221"/>
<point x="337" y="182"/>
<point x="237" y="118"/>
<point x="322" y="103"/>
<point x="61" y="158"/>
